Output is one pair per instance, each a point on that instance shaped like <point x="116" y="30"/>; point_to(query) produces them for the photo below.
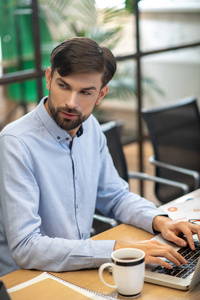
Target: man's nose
<point x="71" y="99"/>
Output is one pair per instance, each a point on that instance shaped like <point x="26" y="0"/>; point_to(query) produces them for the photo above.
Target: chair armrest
<point x="107" y="220"/>
<point x="189" y="172"/>
<point x="144" y="176"/>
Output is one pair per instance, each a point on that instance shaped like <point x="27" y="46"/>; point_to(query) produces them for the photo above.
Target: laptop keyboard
<point x="184" y="270"/>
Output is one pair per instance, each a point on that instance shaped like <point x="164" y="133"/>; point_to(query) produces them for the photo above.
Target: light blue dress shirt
<point x="48" y="194"/>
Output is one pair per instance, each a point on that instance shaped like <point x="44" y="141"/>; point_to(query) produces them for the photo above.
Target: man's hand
<point x="172" y="230"/>
<point x="153" y="251"/>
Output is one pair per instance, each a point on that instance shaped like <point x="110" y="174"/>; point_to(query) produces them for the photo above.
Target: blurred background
<point x="156" y="44"/>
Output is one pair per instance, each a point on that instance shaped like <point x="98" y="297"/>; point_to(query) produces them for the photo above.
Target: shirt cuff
<point x="102" y="252"/>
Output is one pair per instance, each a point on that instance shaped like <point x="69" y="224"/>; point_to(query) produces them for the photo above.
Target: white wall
<point x="167" y="24"/>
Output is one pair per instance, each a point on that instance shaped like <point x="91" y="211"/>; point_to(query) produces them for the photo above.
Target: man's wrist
<point x="158" y="222"/>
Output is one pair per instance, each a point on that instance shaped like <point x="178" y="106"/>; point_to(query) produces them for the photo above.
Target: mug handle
<point x="101" y="269"/>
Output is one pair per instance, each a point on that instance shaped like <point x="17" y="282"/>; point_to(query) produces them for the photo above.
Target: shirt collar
<point x="58" y="133"/>
<point x="80" y="131"/>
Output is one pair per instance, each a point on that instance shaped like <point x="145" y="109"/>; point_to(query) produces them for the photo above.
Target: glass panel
<point x="13" y="105"/>
<point x="16" y="36"/>
<point x="17" y="47"/>
<point x="127" y="42"/>
<point x="173" y="75"/>
<point x="121" y="103"/>
<point x="168" y="24"/>
<point x="110" y="3"/>
<point x="22" y="92"/>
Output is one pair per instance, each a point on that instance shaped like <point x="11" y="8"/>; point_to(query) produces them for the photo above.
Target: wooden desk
<point x="90" y="279"/>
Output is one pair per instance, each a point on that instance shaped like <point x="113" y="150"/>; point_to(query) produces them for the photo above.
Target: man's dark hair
<point x="81" y="55"/>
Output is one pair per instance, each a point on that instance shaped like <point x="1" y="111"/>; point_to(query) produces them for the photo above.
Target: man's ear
<point x="48" y="78"/>
<point x="102" y="94"/>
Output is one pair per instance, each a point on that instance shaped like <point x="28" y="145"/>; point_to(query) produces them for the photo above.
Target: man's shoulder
<point x="21" y="126"/>
<point x="92" y="123"/>
<point x="92" y="126"/>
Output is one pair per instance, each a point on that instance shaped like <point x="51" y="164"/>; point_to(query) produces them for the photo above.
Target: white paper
<point x="190" y="209"/>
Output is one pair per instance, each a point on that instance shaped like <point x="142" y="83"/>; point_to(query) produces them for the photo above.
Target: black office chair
<point x="112" y="133"/>
<point x="174" y="131"/>
<point x="3" y="292"/>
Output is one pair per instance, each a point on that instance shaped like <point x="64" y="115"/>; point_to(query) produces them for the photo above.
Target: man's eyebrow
<point x="82" y="89"/>
<point x="63" y="81"/>
<point x="89" y="88"/>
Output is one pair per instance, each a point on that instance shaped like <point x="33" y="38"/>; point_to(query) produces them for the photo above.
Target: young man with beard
<point x="55" y="170"/>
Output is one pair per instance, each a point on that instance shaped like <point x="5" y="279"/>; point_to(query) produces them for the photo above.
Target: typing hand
<point x="173" y="230"/>
<point x="154" y="250"/>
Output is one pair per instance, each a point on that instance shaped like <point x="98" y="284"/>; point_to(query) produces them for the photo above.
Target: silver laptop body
<point x="169" y="280"/>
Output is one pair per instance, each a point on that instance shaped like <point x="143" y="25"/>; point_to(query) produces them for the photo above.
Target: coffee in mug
<point x="128" y="268"/>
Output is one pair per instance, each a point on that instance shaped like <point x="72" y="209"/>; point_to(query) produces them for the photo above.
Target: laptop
<point x="184" y="277"/>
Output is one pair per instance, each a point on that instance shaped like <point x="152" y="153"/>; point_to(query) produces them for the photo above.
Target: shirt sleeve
<point x="116" y="201"/>
<point x="20" y="196"/>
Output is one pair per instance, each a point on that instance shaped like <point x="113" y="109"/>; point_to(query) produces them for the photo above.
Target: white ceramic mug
<point x="128" y="271"/>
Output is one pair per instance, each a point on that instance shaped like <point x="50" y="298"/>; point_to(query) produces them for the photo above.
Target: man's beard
<point x="65" y="123"/>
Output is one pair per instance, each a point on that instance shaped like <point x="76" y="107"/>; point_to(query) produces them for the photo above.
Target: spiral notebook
<point x="49" y="287"/>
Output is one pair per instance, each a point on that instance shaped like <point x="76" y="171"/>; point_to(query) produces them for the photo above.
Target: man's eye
<point x="62" y="85"/>
<point x="86" y="93"/>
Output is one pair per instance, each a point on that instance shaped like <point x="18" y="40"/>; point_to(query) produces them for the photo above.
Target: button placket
<point x="75" y="194"/>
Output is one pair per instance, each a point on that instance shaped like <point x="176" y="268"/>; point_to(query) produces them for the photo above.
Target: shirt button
<point x="58" y="137"/>
<point x="67" y="139"/>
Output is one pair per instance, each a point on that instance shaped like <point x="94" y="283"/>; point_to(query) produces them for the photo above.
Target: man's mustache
<point x="69" y="110"/>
